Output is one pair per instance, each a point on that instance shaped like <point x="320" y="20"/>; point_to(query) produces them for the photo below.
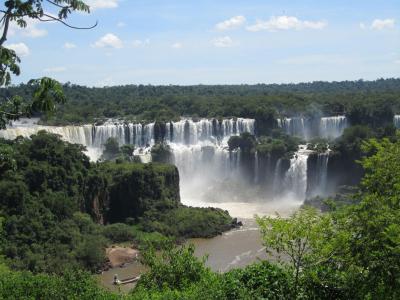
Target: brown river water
<point x="233" y="249"/>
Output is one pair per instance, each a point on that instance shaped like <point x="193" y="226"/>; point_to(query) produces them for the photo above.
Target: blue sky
<point x="216" y="42"/>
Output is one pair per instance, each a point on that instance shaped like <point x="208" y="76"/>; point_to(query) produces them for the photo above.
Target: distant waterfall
<point x="208" y="170"/>
<point x="327" y="127"/>
<point x="318" y="175"/>
<point x="332" y="127"/>
<point x="396" y="121"/>
<point x="277" y="178"/>
<point x="73" y="134"/>
<point x="199" y="148"/>
<point x="322" y="170"/>
<point x="185" y="132"/>
<point x="296" y="126"/>
<point x="256" y="171"/>
<point x="296" y="176"/>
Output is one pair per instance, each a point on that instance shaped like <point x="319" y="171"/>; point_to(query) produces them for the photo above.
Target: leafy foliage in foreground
<point x="178" y="274"/>
<point x="73" y="285"/>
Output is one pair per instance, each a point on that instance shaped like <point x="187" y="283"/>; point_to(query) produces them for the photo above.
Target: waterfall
<point x="396" y="121"/>
<point x="322" y="171"/>
<point x="194" y="143"/>
<point x="296" y="126"/>
<point x="328" y="127"/>
<point x="200" y="151"/>
<point x="256" y="168"/>
<point x="277" y="178"/>
<point x="332" y="127"/>
<point x="73" y="134"/>
<point x="296" y="176"/>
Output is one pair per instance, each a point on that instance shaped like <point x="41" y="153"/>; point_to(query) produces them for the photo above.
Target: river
<point x="236" y="248"/>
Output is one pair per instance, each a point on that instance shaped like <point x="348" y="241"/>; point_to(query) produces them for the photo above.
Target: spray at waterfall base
<point x="210" y="174"/>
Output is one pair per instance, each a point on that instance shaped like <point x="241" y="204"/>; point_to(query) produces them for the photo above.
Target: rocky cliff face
<point x="96" y="197"/>
<point x="344" y="170"/>
<point x="121" y="191"/>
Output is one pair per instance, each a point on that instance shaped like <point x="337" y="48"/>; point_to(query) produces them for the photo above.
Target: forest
<point x="59" y="211"/>
<point x="363" y="102"/>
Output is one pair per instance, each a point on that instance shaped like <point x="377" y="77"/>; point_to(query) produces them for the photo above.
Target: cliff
<point x="127" y="190"/>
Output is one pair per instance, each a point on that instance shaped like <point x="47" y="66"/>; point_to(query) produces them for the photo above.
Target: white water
<point x="296" y="176"/>
<point x="210" y="175"/>
<point x="396" y="121"/>
<point x="328" y="127"/>
<point x="296" y="126"/>
<point x="319" y="183"/>
<point x="332" y="127"/>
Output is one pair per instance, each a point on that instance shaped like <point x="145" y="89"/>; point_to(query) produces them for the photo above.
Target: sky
<point x="187" y="42"/>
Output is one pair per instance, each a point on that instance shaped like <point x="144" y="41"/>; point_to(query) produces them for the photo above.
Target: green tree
<point x="297" y="240"/>
<point x="7" y="161"/>
<point x="111" y="149"/>
<point x="375" y="223"/>
<point x="246" y="142"/>
<point x="162" y="153"/>
<point x="174" y="268"/>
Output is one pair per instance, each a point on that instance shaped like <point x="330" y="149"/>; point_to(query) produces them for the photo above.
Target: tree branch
<point x="56" y="4"/>
<point x="54" y="19"/>
<point x="6" y="24"/>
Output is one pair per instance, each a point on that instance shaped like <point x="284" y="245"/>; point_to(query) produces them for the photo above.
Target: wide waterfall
<point x="210" y="174"/>
<point x="187" y="132"/>
<point x="326" y="127"/>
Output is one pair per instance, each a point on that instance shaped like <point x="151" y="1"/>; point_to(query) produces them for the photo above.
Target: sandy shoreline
<point x="119" y="256"/>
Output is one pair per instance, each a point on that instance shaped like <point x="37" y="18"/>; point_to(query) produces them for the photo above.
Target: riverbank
<point x="235" y="248"/>
<point x="118" y="256"/>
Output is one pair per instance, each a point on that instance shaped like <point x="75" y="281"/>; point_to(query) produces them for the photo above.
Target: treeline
<point x="59" y="211"/>
<point x="372" y="102"/>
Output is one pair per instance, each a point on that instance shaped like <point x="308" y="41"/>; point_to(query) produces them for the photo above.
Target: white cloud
<point x="223" y="42"/>
<point x="231" y="23"/>
<point x="363" y="26"/>
<point x="109" y="41"/>
<point x="68" y="45"/>
<point x="31" y="29"/>
<point x="96" y="4"/>
<point x="55" y="70"/>
<point x="20" y="49"/>
<point x="177" y="45"/>
<point x="140" y="43"/>
<point x="285" y="23"/>
<point x="379" y="24"/>
<point x="121" y="24"/>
